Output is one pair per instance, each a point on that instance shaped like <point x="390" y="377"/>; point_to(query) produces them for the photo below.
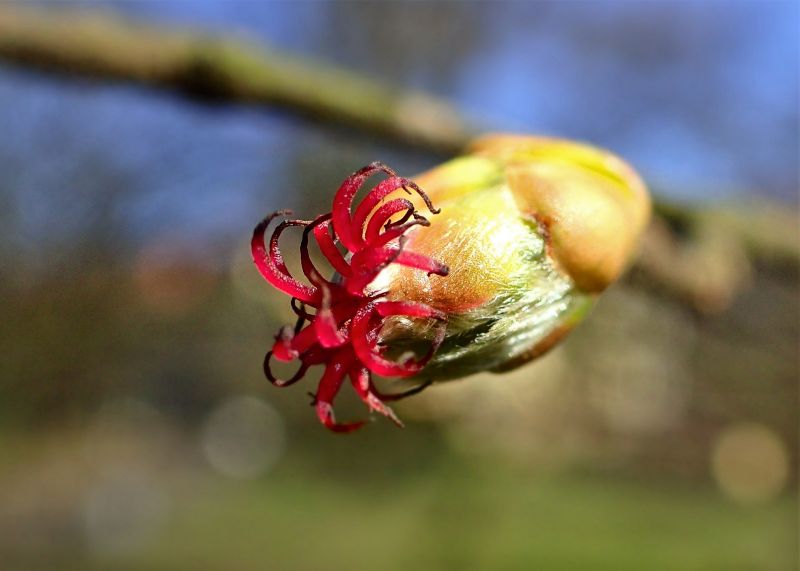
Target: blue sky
<point x="702" y="97"/>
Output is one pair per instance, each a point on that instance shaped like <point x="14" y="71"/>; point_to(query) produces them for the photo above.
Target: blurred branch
<point x="702" y="256"/>
<point x="223" y="70"/>
<point x="706" y="255"/>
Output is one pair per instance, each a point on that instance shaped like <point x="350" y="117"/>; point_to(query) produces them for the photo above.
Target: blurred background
<point x="136" y="428"/>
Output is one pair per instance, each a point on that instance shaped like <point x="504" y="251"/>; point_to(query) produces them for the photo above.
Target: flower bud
<point x="526" y="232"/>
<point x="532" y="229"/>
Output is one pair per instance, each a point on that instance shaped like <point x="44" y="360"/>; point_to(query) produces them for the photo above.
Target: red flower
<point x="343" y="332"/>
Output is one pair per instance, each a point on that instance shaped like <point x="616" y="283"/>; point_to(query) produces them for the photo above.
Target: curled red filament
<point x="339" y="322"/>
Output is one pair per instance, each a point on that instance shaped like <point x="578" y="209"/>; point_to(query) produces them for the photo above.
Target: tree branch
<point x="223" y="69"/>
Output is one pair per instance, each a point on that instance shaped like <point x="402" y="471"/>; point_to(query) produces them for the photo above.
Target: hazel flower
<point x="344" y="331"/>
<point x="531" y="230"/>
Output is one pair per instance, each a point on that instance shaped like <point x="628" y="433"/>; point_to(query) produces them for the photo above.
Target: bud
<point x="532" y="230"/>
<point x="525" y="233"/>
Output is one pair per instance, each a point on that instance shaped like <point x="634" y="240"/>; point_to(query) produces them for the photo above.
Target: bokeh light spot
<point x="124" y="512"/>
<point x="243" y="437"/>
<point x="750" y="463"/>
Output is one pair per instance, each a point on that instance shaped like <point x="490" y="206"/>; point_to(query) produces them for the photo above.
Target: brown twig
<point x="221" y="69"/>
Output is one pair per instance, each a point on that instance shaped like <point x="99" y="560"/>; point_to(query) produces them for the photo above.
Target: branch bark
<point x="225" y="70"/>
